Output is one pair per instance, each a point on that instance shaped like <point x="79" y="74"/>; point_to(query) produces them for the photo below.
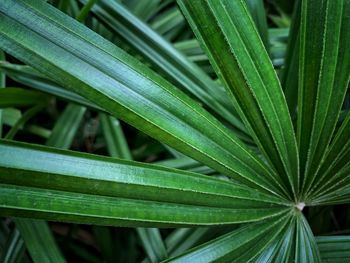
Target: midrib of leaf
<point x="124" y="57"/>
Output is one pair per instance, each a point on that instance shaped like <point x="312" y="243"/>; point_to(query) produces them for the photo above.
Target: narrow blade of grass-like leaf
<point x="115" y="138"/>
<point x="39" y="240"/>
<point x="85" y="10"/>
<point x="153" y="244"/>
<point x="30" y="113"/>
<point x="184" y="239"/>
<point x="185" y="163"/>
<point x="143" y="9"/>
<point x="11" y="116"/>
<point x="169" y="20"/>
<point x="14" y="248"/>
<point x="66" y="127"/>
<point x="32" y="78"/>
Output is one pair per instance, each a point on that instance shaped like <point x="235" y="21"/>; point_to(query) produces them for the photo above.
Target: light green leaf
<point x="167" y="21"/>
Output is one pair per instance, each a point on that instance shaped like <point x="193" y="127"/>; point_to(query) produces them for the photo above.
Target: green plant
<point x="265" y="171"/>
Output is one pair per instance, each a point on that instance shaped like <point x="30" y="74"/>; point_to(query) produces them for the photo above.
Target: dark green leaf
<point x="166" y="58"/>
<point x="18" y="97"/>
<point x="66" y="127"/>
<point x="241" y="245"/>
<point x="84" y="62"/>
<point x="46" y="204"/>
<point x="39" y="240"/>
<point x="50" y="168"/>
<point x="237" y="54"/>
<point x="324" y="63"/>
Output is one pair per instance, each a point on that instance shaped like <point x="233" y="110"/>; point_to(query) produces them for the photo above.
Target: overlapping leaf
<point x="174" y="65"/>
<point x="324" y="72"/>
<point x="237" y="54"/>
<point x="82" y="61"/>
<point x="241" y="245"/>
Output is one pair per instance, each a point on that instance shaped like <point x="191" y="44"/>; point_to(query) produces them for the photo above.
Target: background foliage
<point x="194" y="87"/>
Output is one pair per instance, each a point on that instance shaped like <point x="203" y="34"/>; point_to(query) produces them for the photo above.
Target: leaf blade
<point x="236" y="52"/>
<point x="155" y="107"/>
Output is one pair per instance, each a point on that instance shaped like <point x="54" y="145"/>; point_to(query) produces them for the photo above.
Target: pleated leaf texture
<point x="261" y="145"/>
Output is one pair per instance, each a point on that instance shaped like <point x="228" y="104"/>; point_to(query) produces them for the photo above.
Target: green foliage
<point x="250" y="125"/>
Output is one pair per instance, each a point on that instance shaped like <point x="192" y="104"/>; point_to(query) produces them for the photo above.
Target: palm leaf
<point x="155" y="107"/>
<point x="323" y="78"/>
<point x="237" y="54"/>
